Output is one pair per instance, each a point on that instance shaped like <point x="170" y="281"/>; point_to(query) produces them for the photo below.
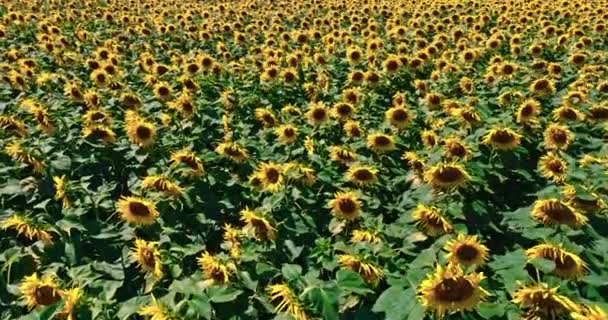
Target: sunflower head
<point x="502" y="138"/>
<point x="317" y="114"/>
<point x="162" y="90"/>
<point x="155" y="311"/>
<point x="147" y="256"/>
<point x="585" y="200"/>
<point x="398" y="116"/>
<point x="589" y="312"/>
<point x="257" y="226"/>
<point x="447" y="176"/>
<point x="342" y="155"/>
<point x="287" y="133"/>
<point x="567" y="114"/>
<point x="567" y="264"/>
<point x="160" y="183"/>
<point x="266" y="117"/>
<point x="362" y="175"/>
<point x="558" y="137"/>
<point x="370" y="273"/>
<point x="352" y="129"/>
<point x="232" y="151"/>
<point x="215" y="269"/>
<point x="555" y="212"/>
<point x="449" y="290"/>
<point x="192" y="163"/>
<point x="27" y="227"/>
<point x="360" y="235"/>
<point x="431" y="221"/>
<point x="287" y="301"/>
<point x="39" y="291"/>
<point x="101" y="132"/>
<point x="137" y="210"/>
<point x="343" y="110"/>
<point x="467" y="250"/>
<point x="140" y="131"/>
<point x="270" y="176"/>
<point x="539" y="301"/>
<point x="380" y="142"/>
<point x="345" y="205"/>
<point x="551" y="166"/>
<point x="527" y="110"/>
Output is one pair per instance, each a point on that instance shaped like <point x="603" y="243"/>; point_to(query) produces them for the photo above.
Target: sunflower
<point x="317" y="114"/>
<point x="139" y="131"/>
<point x="257" y="226"/>
<point x="214" y="269"/>
<point x="287" y="301"/>
<point x="567" y="264"/>
<point x="502" y="138"/>
<point x="380" y="142"/>
<point x="342" y="155"/>
<point x="551" y="166"/>
<point x="100" y="78"/>
<point x="190" y="160"/>
<point x="71" y="298"/>
<point x="183" y="104"/>
<point x="431" y="220"/>
<point x="449" y="290"/>
<point x="61" y="190"/>
<point x="352" y="129"/>
<point x="137" y="210"/>
<point x="429" y="138"/>
<point x="527" y="110"/>
<point x="96" y="116"/>
<point x="270" y="176"/>
<point x="130" y="100"/>
<point x="27" y="227"/>
<point x="147" y="256"/>
<point x="73" y="91"/>
<point x="232" y="151"/>
<point x="555" y="212"/>
<point x="162" y="184"/>
<point x="232" y="240"/>
<point x="162" y="91"/>
<point x="156" y="311"/>
<point x="466" y="250"/>
<point x="287" y="133"/>
<point x="598" y="113"/>
<point x="558" y="137"/>
<point x="39" y="291"/>
<point x="448" y="176"/>
<point x="360" y="235"/>
<point x="343" y="110"/>
<point x="370" y="273"/>
<point x="455" y="148"/>
<point x="587" y="202"/>
<point x="542" y="87"/>
<point x="398" y="116"/>
<point x="567" y="114"/>
<point x="266" y="117"/>
<point x="589" y="313"/>
<point x="11" y="123"/>
<point x="541" y="302"/>
<point x="19" y="154"/>
<point x="345" y="205"/>
<point x="362" y="175"/>
<point x="413" y="161"/>
<point x="354" y="55"/>
<point x="99" y="132"/>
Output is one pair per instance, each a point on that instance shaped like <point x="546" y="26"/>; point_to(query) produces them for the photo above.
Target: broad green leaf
<point x="223" y="294"/>
<point x="349" y="281"/>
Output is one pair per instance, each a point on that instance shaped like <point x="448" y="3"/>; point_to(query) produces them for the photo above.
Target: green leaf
<point x="291" y="271"/>
<point x="396" y="303"/>
<point x="325" y="300"/>
<point x="351" y="282"/>
<point x="131" y="306"/>
<point x="201" y="306"/>
<point x="223" y="294"/>
<point x="543" y="265"/>
<point x="489" y="310"/>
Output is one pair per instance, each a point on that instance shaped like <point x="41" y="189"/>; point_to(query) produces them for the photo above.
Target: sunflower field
<point x="313" y="159"/>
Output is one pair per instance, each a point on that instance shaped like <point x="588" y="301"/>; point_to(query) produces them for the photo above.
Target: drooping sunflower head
<point x="287" y="133"/>
<point x="147" y="256"/>
<point x="431" y="221"/>
<point x="558" y="137"/>
<point x="61" y="183"/>
<point x="542" y="87"/>
<point x="257" y="226"/>
<point x="99" y="132"/>
<point x="380" y="142"/>
<point x="467" y="250"/>
<point x="287" y="301"/>
<point x="345" y="205"/>
<point x="39" y="291"/>
<point x="360" y="235"/>
<point x="215" y="269"/>
<point x="342" y="155"/>
<point x="429" y="138"/>
<point x="449" y="290"/>
<point x="589" y="312"/>
<point x="352" y="129"/>
<point x="97" y="116"/>
<point x="447" y="176"/>
<point x="539" y="301"/>
<point x="567" y="114"/>
<point x="130" y="100"/>
<point x="137" y="210"/>
<point x="567" y="264"/>
<point x="413" y="161"/>
<point x="362" y="175"/>
<point x="27" y="227"/>
<point x="502" y="138"/>
<point x="270" y="176"/>
<point x="193" y="164"/>
<point x="317" y="114"/>
<point x="232" y="151"/>
<point x="370" y="273"/>
<point x="156" y="311"/>
<point x="12" y="124"/>
<point x="266" y="117"/>
<point x="551" y="166"/>
<point x="16" y="151"/>
<point x="160" y="183"/>
<point x="555" y="212"/>
<point x="184" y="105"/>
<point x="584" y="199"/>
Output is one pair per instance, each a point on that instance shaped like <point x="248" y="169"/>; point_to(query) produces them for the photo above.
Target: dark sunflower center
<point x="190" y="161"/>
<point x="382" y="141"/>
<point x="599" y="113"/>
<point x="344" y="109"/>
<point x="568" y="114"/>
<point x="527" y="110"/>
<point x="268" y="119"/>
<point x="541" y="85"/>
<point x="148" y="258"/>
<point x="559" y="212"/>
<point x="578" y="59"/>
<point x="143" y="132"/>
<point x="272" y="72"/>
<point x="457" y="150"/>
<point x="163" y="91"/>
<point x="289" y="132"/>
<point x="363" y="175"/>
<point x="400" y="115"/>
<point x="357" y="76"/>
<point x="101" y="77"/>
<point x="347" y="206"/>
<point x="502" y="137"/>
<point x="555" y="166"/>
<point x="206" y="62"/>
<point x="566" y="263"/>
<point x="46" y="295"/>
<point x="192" y="68"/>
<point x="454" y="290"/>
<point x="392" y="65"/>
<point x="467" y="252"/>
<point x="559" y="136"/>
<point x="139" y="209"/>
<point x="318" y="114"/>
<point x="75" y="93"/>
<point x="289" y="77"/>
<point x="272" y="175"/>
<point x="130" y="101"/>
<point x="187" y="107"/>
<point x="355" y="55"/>
<point x="100" y="133"/>
<point x="352" y="98"/>
<point x="97" y="116"/>
<point x="373" y="77"/>
<point x="448" y="175"/>
<point x="430" y="140"/>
